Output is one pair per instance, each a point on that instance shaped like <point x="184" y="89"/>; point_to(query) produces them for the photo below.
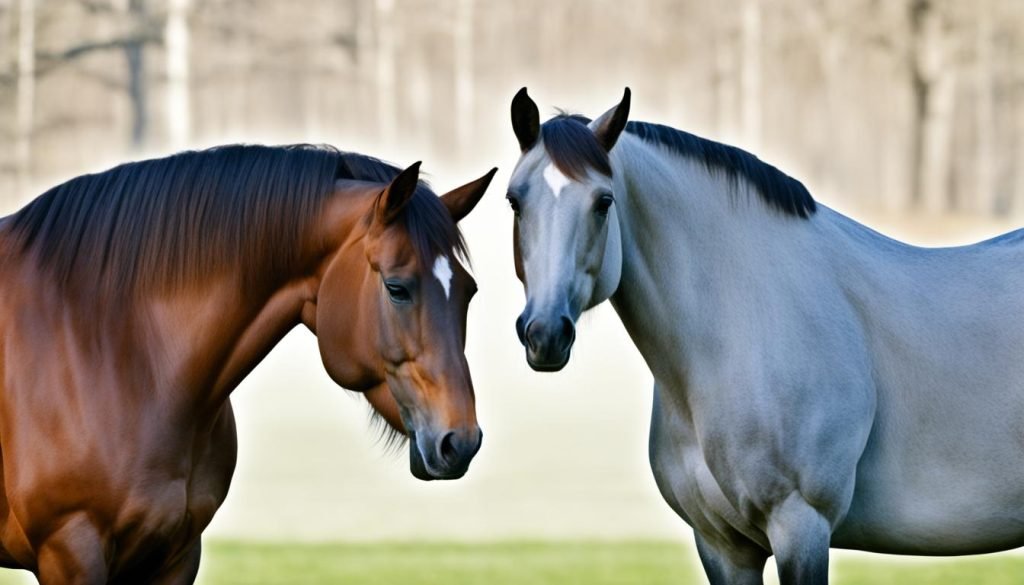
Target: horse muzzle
<point x="444" y="455"/>
<point x="548" y="341"/>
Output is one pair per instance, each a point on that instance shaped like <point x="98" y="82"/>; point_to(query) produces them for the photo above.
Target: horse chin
<point x="547" y="365"/>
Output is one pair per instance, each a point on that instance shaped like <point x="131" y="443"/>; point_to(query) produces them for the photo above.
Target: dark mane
<point x="775" y="187"/>
<point x="167" y="222"/>
<point x="573" y="149"/>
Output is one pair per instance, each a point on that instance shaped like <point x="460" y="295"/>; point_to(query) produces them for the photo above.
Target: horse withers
<point x="817" y="384"/>
<point x="133" y="301"/>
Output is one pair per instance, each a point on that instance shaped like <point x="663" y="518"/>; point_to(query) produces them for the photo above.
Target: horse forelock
<point x="573" y="148"/>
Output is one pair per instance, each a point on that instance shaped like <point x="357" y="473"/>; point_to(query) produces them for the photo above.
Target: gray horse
<point x="817" y="384"/>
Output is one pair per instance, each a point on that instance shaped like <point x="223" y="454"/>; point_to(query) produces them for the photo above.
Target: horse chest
<point x="151" y="504"/>
<point x="685" y="480"/>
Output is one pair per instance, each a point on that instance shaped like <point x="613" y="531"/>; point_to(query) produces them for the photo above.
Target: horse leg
<point x="73" y="554"/>
<point x="184" y="570"/>
<point x="799" y="536"/>
<point x="739" y="567"/>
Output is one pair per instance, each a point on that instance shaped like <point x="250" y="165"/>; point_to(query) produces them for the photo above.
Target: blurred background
<point x="906" y="114"/>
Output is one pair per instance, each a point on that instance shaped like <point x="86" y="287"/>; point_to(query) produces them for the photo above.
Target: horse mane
<point x="167" y="222"/>
<point x="775" y="187"/>
<point x="573" y="149"/>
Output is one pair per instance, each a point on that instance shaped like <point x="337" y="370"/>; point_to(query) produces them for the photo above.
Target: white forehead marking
<point x="443" y="273"/>
<point x="556" y="180"/>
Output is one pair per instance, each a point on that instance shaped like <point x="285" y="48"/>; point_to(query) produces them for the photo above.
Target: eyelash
<point x="398" y="293"/>
<point x="604" y="203"/>
<point x="513" y="203"/>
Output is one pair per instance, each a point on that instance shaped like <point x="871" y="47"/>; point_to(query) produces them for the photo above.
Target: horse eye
<point x="513" y="203"/>
<point x="398" y="293"/>
<point x="604" y="203"/>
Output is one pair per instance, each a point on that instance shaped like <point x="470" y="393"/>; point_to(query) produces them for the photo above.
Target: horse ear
<point x="525" y="120"/>
<point x="397" y="195"/>
<point x="461" y="200"/>
<point x="610" y="124"/>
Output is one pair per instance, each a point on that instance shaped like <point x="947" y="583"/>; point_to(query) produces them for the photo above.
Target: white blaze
<point x="443" y="274"/>
<point x="556" y="180"/>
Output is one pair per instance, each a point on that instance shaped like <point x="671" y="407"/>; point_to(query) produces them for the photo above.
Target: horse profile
<point x="133" y="301"/>
<point x="817" y="384"/>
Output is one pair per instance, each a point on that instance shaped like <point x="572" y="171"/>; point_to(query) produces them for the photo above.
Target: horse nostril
<point x="521" y="329"/>
<point x="532" y="336"/>
<point x="449" y="452"/>
<point x="568" y="329"/>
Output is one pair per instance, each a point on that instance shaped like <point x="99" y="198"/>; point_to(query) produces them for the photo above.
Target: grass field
<point x="562" y="563"/>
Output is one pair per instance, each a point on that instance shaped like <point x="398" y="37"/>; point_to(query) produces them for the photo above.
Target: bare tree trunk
<point x="832" y="55"/>
<point x="1017" y="160"/>
<point x="8" y="31"/>
<point x="984" y="184"/>
<point x="751" y="73"/>
<point x="176" y="50"/>
<point x="464" y="105"/>
<point x="937" y="134"/>
<point x="387" y="113"/>
<point x="137" y="94"/>
<point x="363" y="32"/>
<point x="26" y="93"/>
<point x="725" y="86"/>
<point x="933" y="93"/>
<point x="239" y="94"/>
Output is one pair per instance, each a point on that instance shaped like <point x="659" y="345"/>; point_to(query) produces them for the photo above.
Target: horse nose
<point x="548" y="342"/>
<point x="457" y="448"/>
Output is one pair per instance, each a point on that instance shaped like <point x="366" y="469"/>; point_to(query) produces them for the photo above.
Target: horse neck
<point x="214" y="334"/>
<point x="700" y="252"/>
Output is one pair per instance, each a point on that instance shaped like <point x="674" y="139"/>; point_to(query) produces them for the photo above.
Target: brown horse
<point x="133" y="301"/>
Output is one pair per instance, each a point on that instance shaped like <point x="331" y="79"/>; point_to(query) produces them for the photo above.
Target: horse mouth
<point x="547" y="365"/>
<point x="550" y="359"/>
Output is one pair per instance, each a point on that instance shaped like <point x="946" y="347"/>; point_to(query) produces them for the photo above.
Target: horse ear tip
<point x="414" y="168"/>
<point x="521" y="96"/>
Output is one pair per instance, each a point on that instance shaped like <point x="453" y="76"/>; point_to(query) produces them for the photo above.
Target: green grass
<point x="639" y="563"/>
<point x="541" y="563"/>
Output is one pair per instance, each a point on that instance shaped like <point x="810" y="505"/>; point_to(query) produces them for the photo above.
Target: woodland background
<point x="907" y="114"/>
<point x="892" y="105"/>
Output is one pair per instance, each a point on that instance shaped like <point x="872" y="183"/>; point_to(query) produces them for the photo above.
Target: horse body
<point x="823" y="362"/>
<point x="816" y="383"/>
<point x="116" y="430"/>
<point x="69" y="411"/>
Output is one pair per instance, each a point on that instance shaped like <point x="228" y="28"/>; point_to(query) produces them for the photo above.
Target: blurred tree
<point x="24" y="125"/>
<point x="135" y="57"/>
<point x="176" y="49"/>
<point x="463" y="59"/>
<point x="933" y="78"/>
<point x="898" y="105"/>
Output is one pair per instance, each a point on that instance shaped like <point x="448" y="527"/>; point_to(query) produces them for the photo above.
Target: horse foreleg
<point x="799" y="537"/>
<point x="73" y="554"/>
<point x="732" y="566"/>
